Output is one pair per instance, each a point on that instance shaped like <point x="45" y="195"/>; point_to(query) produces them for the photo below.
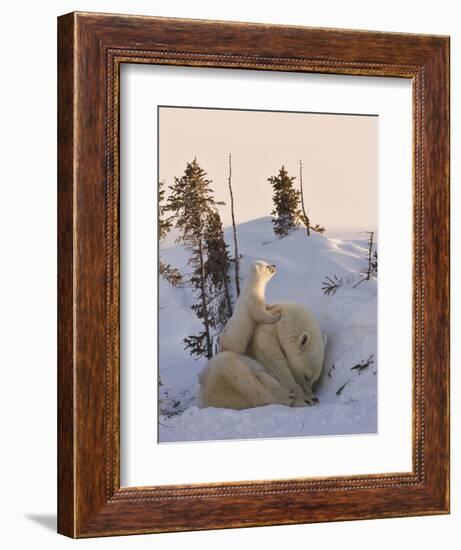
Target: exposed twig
<point x="361" y="281"/>
<point x="364" y="364"/>
<point x="164" y="425"/>
<point x="342" y="387"/>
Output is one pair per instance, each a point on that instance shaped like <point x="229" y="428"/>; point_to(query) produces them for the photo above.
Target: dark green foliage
<point x="374" y="263"/>
<point x="168" y="272"/>
<point x="317" y="228"/>
<point x="372" y="257"/>
<point x="286" y="213"/>
<point x="217" y="267"/>
<point x="164" y="224"/>
<point x="171" y="274"/>
<point x="193" y="210"/>
<point x="330" y="286"/>
<point x="190" y="200"/>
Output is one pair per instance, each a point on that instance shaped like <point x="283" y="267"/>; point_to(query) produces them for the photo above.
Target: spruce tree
<point x="191" y="202"/>
<point x="167" y="271"/>
<point x="286" y="213"/>
<point x="217" y="266"/>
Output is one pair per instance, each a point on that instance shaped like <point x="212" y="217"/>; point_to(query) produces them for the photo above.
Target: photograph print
<point x="268" y="271"/>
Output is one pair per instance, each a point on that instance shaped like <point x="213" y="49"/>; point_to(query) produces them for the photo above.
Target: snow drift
<point x="347" y="389"/>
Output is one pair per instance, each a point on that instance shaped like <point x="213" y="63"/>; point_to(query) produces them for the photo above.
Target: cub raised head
<point x="251" y="309"/>
<point x="262" y="271"/>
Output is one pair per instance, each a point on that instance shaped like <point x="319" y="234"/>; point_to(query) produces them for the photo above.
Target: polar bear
<point x="251" y="308"/>
<point x="234" y="381"/>
<point x="292" y="351"/>
<point x="284" y="361"/>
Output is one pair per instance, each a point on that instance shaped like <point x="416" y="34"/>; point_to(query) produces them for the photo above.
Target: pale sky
<point x="339" y="155"/>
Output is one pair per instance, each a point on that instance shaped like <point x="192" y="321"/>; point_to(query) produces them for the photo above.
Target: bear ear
<point x="304" y="340"/>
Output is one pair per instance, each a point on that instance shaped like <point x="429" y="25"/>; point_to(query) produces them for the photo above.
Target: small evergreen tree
<point x="286" y="213"/>
<point x="193" y="209"/>
<point x="217" y="267"/>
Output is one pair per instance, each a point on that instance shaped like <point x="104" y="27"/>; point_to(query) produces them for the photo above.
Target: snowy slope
<point x="348" y="395"/>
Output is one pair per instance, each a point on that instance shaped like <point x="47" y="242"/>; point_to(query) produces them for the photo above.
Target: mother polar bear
<point x="283" y="357"/>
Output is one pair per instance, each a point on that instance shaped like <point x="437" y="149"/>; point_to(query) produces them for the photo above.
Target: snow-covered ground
<point x="347" y="389"/>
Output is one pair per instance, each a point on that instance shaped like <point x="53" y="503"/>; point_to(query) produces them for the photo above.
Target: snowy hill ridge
<point x="347" y="389"/>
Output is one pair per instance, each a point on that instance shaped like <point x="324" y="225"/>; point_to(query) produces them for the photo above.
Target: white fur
<point x="235" y="381"/>
<point x="250" y="310"/>
<point x="292" y="351"/>
<point x="286" y="361"/>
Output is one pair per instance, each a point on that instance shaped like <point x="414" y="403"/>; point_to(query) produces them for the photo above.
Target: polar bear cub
<point x="250" y="310"/>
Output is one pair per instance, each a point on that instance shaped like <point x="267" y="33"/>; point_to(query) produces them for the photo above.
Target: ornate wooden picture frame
<point x="92" y="48"/>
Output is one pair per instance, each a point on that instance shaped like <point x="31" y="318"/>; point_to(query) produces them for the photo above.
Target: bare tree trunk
<point x="206" y="320"/>
<point x="306" y="219"/>
<point x="227" y="294"/>
<point x="236" y="253"/>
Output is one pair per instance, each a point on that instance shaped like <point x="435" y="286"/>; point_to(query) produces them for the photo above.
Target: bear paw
<point x="312" y="400"/>
<point x="276" y="316"/>
<point x="297" y="400"/>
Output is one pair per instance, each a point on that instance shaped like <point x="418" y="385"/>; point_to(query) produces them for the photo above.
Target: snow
<point x="347" y="389"/>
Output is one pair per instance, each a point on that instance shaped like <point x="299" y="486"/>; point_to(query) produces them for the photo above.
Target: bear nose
<point x="273" y="267"/>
